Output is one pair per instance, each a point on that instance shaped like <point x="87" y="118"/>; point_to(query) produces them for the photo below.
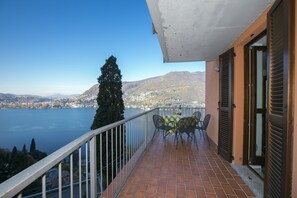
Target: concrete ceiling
<point x="195" y="30"/>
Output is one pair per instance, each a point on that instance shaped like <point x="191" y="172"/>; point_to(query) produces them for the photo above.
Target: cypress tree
<point x="110" y="97"/>
<point x="24" y="149"/>
<point x="14" y="152"/>
<point x="32" y="146"/>
<point x="110" y="109"/>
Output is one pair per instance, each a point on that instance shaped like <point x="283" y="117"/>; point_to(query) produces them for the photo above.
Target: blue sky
<point x="58" y="46"/>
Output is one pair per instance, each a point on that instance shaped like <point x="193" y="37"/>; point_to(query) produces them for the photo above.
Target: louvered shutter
<point x="278" y="162"/>
<point x="225" y="105"/>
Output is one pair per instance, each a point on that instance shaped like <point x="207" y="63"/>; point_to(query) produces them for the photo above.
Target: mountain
<point x="23" y="101"/>
<point x="21" y="98"/>
<point x="59" y="96"/>
<point x="172" y="89"/>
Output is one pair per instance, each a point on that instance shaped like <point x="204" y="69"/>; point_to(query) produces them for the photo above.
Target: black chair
<point x="186" y="125"/>
<point x="160" y="124"/>
<point x="202" y="126"/>
<point x="197" y="114"/>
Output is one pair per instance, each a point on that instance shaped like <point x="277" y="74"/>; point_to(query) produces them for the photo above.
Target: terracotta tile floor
<point x="165" y="171"/>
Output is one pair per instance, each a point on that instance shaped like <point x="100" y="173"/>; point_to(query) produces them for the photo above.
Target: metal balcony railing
<point x="185" y="111"/>
<point x="97" y="164"/>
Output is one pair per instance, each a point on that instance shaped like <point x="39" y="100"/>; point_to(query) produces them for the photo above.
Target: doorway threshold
<point x="251" y="179"/>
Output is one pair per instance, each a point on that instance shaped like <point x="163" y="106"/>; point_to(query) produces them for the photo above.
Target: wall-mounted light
<point x="217" y="68"/>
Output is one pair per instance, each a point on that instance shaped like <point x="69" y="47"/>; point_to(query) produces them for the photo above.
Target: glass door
<point x="258" y="105"/>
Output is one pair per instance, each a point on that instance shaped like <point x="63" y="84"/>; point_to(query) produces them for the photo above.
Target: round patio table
<point x="170" y="119"/>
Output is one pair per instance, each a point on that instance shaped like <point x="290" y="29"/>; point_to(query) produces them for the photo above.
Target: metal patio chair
<point x="197" y="114"/>
<point x="186" y="125"/>
<point x="160" y="124"/>
<point x="202" y="126"/>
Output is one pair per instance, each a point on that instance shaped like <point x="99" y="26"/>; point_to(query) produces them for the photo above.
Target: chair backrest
<point x="158" y="121"/>
<point x="206" y="121"/>
<point x="187" y="124"/>
<point x="197" y="114"/>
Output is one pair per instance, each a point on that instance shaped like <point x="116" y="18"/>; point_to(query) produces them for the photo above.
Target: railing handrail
<point x="176" y="107"/>
<point x="20" y="181"/>
<point x="118" y="123"/>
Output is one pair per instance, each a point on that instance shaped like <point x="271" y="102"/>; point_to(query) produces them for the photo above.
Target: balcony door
<point x="256" y="113"/>
<point x="258" y="105"/>
<point x="226" y="105"/>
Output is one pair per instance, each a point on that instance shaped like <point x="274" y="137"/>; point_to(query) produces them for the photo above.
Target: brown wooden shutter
<point x="278" y="155"/>
<point x="225" y="105"/>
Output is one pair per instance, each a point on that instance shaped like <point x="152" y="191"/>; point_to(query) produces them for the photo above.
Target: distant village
<point x="144" y="101"/>
<point x="50" y="103"/>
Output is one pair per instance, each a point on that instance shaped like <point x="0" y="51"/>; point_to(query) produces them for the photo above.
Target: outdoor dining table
<point x="170" y="119"/>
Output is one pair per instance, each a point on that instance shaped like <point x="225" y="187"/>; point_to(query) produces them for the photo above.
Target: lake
<point x="51" y="128"/>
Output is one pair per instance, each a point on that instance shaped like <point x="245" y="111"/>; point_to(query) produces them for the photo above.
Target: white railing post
<point x="93" y="167"/>
<point x="145" y="130"/>
<point x="44" y="186"/>
<point x="71" y="176"/>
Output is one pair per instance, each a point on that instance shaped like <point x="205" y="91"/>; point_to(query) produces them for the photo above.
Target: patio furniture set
<point x="178" y="125"/>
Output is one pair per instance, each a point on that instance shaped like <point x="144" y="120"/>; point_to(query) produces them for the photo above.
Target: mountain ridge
<point x="172" y="89"/>
<point x="177" y="88"/>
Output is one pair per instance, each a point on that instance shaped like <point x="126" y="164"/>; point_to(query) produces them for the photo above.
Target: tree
<point x="4" y="162"/>
<point x="36" y="154"/>
<point x="15" y="161"/>
<point x="32" y="146"/>
<point x="110" y="109"/>
<point x="14" y="152"/>
<point x="110" y="97"/>
<point x="24" y="149"/>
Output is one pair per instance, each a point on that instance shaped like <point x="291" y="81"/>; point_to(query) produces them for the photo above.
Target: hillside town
<point x="143" y="101"/>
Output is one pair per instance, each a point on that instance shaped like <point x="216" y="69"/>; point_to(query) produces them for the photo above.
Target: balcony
<point x="137" y="164"/>
<point x="165" y="171"/>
